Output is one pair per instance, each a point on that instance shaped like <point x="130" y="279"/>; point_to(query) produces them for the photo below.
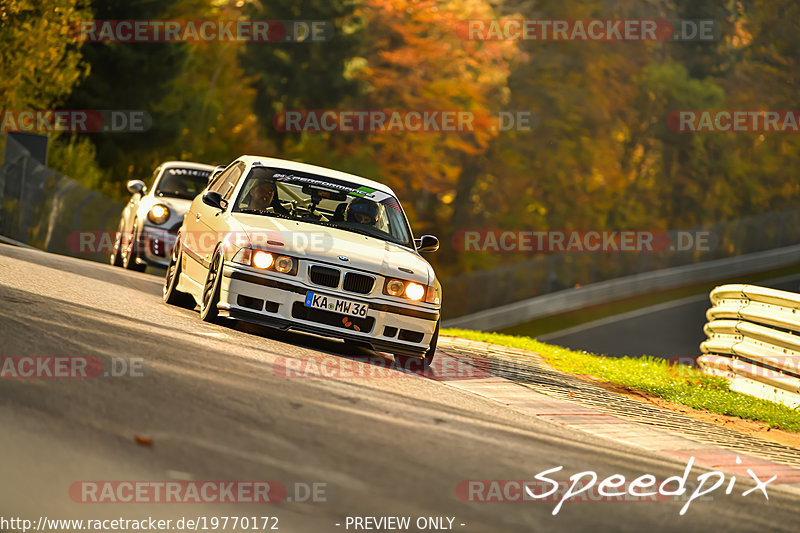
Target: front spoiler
<point x="285" y="325"/>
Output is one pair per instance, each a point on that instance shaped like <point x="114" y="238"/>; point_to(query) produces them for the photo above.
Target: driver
<point x="362" y="211"/>
<point x="263" y="195"/>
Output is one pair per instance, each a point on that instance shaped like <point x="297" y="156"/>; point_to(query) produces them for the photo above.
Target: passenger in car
<point x="362" y="211"/>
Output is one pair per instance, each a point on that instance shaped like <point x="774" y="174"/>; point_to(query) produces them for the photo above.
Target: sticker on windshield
<point x="362" y="192"/>
<point x="188" y="172"/>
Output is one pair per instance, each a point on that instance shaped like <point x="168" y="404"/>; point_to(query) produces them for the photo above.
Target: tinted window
<point x="182" y="182"/>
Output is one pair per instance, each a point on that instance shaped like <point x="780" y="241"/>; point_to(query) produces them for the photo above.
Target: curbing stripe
<point x="600" y="424"/>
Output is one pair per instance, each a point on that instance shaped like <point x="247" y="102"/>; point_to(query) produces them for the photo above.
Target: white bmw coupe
<point x="300" y="247"/>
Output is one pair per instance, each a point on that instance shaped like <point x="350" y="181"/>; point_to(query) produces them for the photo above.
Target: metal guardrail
<point x="754" y="341"/>
<point x="543" y="274"/>
<point x="45" y="209"/>
<point x="618" y="289"/>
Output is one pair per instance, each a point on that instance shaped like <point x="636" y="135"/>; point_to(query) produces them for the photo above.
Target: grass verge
<point x="679" y="384"/>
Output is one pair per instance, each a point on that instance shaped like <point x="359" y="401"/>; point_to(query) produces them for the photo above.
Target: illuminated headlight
<point x="405" y="289"/>
<point x="158" y="214"/>
<point x="266" y="261"/>
<point x="284" y="264"/>
<point x="395" y="287"/>
<point x="415" y="291"/>
<point x="262" y="260"/>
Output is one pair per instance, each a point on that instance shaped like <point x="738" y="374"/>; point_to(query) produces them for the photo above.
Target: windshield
<point x="182" y="182"/>
<point x="325" y="201"/>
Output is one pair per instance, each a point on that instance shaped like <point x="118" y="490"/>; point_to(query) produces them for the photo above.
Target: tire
<point x="420" y="363"/>
<point x="171" y="294"/>
<point x="129" y="258"/>
<point x="114" y="257"/>
<point x="208" y="304"/>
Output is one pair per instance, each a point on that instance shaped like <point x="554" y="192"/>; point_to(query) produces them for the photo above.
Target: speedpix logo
<point x="588" y="486"/>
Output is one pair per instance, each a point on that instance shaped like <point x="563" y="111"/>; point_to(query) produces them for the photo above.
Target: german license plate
<point x="336" y="305"/>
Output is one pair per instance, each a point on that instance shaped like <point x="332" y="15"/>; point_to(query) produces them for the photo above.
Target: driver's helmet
<point x="362" y="211"/>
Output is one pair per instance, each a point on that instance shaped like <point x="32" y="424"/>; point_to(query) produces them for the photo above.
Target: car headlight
<point x="284" y="264"/>
<point x="262" y="259"/>
<point x="394" y="287"/>
<point x="266" y="261"/>
<point x="406" y="289"/>
<point x="415" y="291"/>
<point x="158" y="214"/>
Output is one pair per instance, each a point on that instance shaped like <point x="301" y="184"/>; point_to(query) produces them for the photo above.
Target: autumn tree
<point x="416" y="58"/>
<point x="40" y="62"/>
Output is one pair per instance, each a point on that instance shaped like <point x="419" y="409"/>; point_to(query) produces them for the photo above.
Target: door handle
<point x="197" y="217"/>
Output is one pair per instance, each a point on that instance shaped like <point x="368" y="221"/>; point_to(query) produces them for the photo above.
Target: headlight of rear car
<point x="406" y="289"/>
<point x="266" y="261"/>
<point x="158" y="214"/>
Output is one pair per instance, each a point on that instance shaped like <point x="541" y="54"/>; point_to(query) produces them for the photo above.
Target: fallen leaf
<point x="143" y="441"/>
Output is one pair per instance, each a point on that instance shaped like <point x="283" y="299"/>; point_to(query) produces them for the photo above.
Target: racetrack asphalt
<point x="213" y="402"/>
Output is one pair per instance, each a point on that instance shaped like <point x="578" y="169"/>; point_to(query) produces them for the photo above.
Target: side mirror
<point x="214" y="199"/>
<point x="136" y="187"/>
<point x="427" y="243"/>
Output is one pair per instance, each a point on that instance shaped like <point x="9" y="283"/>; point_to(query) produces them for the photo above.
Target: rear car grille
<point x="359" y="283"/>
<point x="330" y="318"/>
<point x="327" y="277"/>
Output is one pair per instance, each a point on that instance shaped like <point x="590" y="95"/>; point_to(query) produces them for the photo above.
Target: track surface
<point x="671" y="330"/>
<point x="216" y="409"/>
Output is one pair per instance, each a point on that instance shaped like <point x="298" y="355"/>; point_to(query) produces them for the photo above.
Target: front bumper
<point x="278" y="301"/>
<point x="156" y="245"/>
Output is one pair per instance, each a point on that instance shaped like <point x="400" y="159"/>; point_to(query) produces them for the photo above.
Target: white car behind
<point x="151" y="218"/>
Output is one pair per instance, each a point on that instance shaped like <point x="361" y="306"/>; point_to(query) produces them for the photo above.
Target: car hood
<point x="321" y="243"/>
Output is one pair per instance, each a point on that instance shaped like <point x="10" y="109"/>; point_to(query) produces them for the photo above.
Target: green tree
<point x="131" y="76"/>
<point x="40" y="62"/>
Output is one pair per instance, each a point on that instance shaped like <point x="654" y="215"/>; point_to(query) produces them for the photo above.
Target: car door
<point x="202" y="223"/>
